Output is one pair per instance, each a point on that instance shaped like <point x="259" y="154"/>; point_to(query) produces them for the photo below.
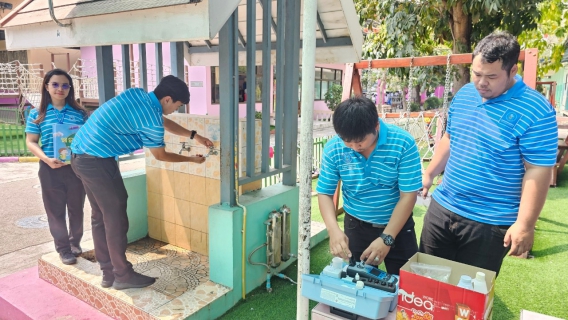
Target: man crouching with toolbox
<point x="379" y="167"/>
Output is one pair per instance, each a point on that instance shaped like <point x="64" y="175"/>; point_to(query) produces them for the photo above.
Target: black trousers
<point x="450" y="236"/>
<point x="60" y="190"/>
<point x="361" y="234"/>
<point x="107" y="195"/>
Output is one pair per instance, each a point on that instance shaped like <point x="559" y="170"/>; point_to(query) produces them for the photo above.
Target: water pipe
<point x="244" y="230"/>
<point x="52" y="14"/>
<point x="269" y="273"/>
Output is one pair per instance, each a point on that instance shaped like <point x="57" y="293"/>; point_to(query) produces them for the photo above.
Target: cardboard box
<point x="529" y="315"/>
<point x="420" y="297"/>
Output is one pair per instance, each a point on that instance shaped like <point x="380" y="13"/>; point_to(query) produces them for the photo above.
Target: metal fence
<point x="318" y="146"/>
<point x="13" y="140"/>
<point x="9" y="115"/>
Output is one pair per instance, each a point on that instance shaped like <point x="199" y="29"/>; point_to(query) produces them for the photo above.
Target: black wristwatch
<point x="387" y="239"/>
<point x="193" y="132"/>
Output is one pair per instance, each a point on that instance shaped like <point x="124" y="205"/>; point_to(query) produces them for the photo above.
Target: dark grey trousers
<point x="450" y="236"/>
<point x="107" y="195"/>
<point x="61" y="190"/>
<point x="361" y="234"/>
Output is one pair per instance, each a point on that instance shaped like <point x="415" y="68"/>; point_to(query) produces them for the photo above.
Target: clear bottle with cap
<point x="479" y="283"/>
<point x="465" y="282"/>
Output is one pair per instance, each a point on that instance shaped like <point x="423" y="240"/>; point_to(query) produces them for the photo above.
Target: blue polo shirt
<point x="371" y="187"/>
<point x="122" y="125"/>
<point x="488" y="143"/>
<point x="67" y="115"/>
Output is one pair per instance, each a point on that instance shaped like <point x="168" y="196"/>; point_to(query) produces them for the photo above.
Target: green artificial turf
<point x="539" y="284"/>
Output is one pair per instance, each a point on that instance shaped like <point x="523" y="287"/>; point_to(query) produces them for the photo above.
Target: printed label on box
<point x="338" y="298"/>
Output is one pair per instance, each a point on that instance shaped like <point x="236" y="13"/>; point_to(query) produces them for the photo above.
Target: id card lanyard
<point x="60" y="115"/>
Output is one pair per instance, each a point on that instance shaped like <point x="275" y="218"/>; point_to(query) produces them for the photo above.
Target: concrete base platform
<point x="182" y="287"/>
<point x="24" y="296"/>
<point x="57" y="291"/>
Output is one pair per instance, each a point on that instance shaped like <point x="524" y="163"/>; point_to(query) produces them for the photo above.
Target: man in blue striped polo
<point x="497" y="156"/>
<point x="379" y="167"/>
<point x="120" y="126"/>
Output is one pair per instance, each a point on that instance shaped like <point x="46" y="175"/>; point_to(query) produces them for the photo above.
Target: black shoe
<point x="67" y="258"/>
<point x="136" y="280"/>
<point x="108" y="279"/>
<point x="76" y="250"/>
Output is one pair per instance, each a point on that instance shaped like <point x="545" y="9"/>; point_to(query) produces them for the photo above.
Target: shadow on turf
<point x="549" y="251"/>
<point x="554" y="222"/>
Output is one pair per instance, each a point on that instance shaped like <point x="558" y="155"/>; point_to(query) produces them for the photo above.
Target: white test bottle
<point x="479" y="283"/>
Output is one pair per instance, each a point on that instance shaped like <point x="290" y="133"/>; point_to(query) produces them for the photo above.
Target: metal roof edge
<point x="14" y="12"/>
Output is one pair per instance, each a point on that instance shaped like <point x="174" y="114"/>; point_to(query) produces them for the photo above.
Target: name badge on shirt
<point x="510" y="118"/>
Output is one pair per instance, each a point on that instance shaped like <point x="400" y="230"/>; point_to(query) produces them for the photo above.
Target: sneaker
<point x="136" y="280"/>
<point x="76" y="250"/>
<point x="108" y="279"/>
<point x="67" y="258"/>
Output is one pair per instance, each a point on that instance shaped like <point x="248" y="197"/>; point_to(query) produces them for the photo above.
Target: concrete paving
<point x="24" y="235"/>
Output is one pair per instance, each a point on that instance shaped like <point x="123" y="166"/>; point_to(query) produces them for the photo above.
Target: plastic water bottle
<point x="479" y="283"/>
<point x="465" y="282"/>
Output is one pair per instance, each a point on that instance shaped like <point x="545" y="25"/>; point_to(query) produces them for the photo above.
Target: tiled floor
<point x="182" y="287"/>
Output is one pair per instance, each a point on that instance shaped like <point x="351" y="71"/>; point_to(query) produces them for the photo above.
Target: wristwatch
<point x="193" y="132"/>
<point x="387" y="239"/>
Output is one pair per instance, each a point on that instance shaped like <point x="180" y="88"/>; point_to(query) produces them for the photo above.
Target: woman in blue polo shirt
<point x="61" y="189"/>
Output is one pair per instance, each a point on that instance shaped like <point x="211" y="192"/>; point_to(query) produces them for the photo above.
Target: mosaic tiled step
<point x="182" y="287"/>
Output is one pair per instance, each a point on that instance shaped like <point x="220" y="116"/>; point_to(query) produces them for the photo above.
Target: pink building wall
<point x="200" y="81"/>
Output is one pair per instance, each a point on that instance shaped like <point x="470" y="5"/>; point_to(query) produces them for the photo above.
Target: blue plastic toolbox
<point x="367" y="302"/>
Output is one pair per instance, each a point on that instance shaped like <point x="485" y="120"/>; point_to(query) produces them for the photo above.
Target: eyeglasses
<point x="64" y="86"/>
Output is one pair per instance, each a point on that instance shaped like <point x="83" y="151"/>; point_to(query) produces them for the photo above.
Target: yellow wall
<point x="179" y="194"/>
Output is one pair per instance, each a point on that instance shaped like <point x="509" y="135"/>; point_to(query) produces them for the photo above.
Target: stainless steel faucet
<point x="184" y="147"/>
<point x="212" y="152"/>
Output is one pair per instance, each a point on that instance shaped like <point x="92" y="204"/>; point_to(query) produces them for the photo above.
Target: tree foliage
<point x="550" y="37"/>
<point x="333" y="96"/>
<point x="416" y="27"/>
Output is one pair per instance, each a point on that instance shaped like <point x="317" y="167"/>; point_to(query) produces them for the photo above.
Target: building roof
<point x="196" y="22"/>
<point x="38" y="11"/>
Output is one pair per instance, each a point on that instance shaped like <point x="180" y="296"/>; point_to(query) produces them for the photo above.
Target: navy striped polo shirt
<point x="67" y="115"/>
<point x="488" y="143"/>
<point x="122" y="125"/>
<point x="371" y="187"/>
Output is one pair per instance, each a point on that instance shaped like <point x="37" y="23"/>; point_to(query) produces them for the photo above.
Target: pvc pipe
<point x="244" y="230"/>
<point x="306" y="145"/>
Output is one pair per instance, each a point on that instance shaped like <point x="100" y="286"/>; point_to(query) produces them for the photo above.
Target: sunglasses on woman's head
<point x="64" y="86"/>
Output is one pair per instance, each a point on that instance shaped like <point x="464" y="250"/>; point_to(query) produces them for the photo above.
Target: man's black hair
<point x="355" y="118"/>
<point x="499" y="46"/>
<point x="173" y="87"/>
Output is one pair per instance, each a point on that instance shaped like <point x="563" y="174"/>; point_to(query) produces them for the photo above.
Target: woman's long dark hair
<point x="46" y="98"/>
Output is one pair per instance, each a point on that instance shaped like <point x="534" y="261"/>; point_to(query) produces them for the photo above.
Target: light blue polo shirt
<point x="122" y="125"/>
<point x="488" y="143"/>
<point x="67" y="115"/>
<point x="371" y="187"/>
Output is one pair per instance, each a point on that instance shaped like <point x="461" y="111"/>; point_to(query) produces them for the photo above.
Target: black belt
<point x="87" y="156"/>
<point x="74" y="155"/>
<point x="374" y="225"/>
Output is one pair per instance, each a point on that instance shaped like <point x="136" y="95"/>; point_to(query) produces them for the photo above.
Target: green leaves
<point x="333" y="96"/>
<point x="414" y="28"/>
<point x="550" y="37"/>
